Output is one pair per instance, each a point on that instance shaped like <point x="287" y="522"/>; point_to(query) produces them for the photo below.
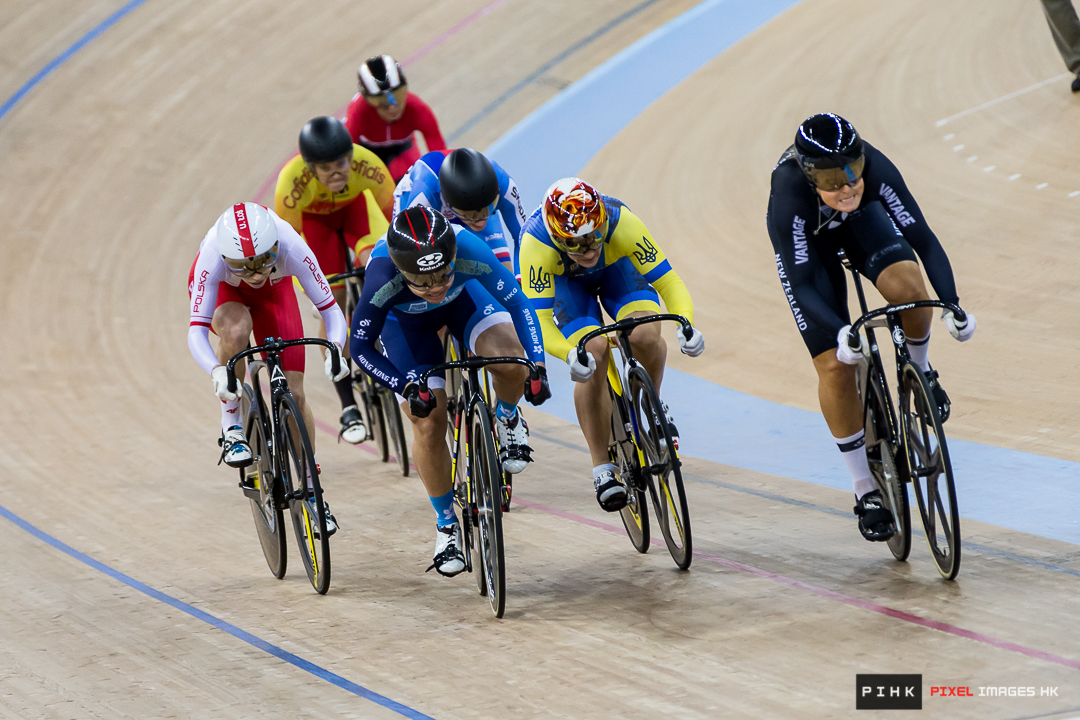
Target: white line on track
<point x="1003" y="98"/>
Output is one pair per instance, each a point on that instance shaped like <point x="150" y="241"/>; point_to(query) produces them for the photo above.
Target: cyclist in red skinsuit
<point x="384" y="116"/>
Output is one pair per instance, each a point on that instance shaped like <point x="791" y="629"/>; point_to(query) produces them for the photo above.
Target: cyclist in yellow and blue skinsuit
<point x="581" y="251"/>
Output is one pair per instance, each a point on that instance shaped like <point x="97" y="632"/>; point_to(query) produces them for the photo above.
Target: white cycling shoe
<point x="448" y="559"/>
<point x="235" y="451"/>
<point x="514" y="450"/>
<point x="352" y="426"/>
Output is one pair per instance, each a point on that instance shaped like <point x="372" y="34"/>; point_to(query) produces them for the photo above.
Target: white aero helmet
<point x="247" y="238"/>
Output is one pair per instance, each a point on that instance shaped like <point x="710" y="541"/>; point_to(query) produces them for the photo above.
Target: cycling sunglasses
<point x="258" y="265"/>
<point x="835" y="178"/>
<point x="430" y="281"/>
<point x="394" y="97"/>
<point x="584" y="243"/>
<point x="476" y="215"/>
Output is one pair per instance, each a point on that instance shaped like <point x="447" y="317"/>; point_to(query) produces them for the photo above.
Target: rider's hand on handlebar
<point x="844" y="352"/>
<point x="420" y="404"/>
<point x="578" y="372"/>
<point x="220" y="376"/>
<point x="694" y="346"/>
<point x="962" y="331"/>
<point x="537" y="391"/>
<point x="328" y="365"/>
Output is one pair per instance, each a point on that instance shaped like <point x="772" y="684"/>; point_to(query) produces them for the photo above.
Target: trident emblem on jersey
<point x="539" y="280"/>
<point x="647" y="252"/>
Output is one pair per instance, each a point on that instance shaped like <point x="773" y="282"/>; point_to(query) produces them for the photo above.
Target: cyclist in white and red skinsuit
<point x="233" y="301"/>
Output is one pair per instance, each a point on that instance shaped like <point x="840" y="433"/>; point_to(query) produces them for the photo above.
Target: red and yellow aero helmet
<point x="574" y="211"/>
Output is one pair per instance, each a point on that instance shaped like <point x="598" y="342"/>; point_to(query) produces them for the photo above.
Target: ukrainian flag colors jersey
<point x="627" y="237"/>
<point x="298" y="191"/>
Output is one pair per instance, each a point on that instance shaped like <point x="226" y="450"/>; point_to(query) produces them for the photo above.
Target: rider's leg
<point x="431" y="453"/>
<point x="842" y="409"/>
<point x="902" y="282"/>
<point x="508" y="381"/>
<point x="649" y="347"/>
<point x="232" y="324"/>
<point x="593" y="404"/>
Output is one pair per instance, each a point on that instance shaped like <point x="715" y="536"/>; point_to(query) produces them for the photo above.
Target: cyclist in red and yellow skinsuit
<point x="340" y="197"/>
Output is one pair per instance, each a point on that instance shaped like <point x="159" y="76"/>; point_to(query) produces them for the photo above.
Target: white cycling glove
<point x="844" y="353"/>
<point x="220" y="376"/>
<point x="961" y="331"/>
<point x="578" y="372"/>
<point x="694" y="346"/>
<point x="328" y="365"/>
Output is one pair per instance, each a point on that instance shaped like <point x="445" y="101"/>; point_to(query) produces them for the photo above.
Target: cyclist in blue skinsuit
<point x="422" y="276"/>
<point x="469" y="190"/>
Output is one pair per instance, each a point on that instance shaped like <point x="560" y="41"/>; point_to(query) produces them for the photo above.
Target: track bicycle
<point x="378" y="404"/>
<point x="909" y="446"/>
<point x="477" y="472"/>
<point x="283" y="473"/>
<point x="452" y="352"/>
<point x="641" y="445"/>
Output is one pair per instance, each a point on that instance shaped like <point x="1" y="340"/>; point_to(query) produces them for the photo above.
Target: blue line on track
<point x="66" y="55"/>
<point x="209" y="619"/>
<point x="587" y="40"/>
<point x="1009" y="488"/>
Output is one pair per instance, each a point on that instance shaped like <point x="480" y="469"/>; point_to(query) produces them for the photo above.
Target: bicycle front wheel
<point x="487" y="484"/>
<point x="880" y="443"/>
<point x="930" y="470"/>
<point x="304" y="494"/>
<point x="661" y="467"/>
<point x="261" y="487"/>
<point x="395" y="428"/>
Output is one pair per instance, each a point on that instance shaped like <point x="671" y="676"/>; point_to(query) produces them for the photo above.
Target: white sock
<point x="853" y="450"/>
<point x="599" y="470"/>
<point x="918" y="349"/>
<point x="230" y="414"/>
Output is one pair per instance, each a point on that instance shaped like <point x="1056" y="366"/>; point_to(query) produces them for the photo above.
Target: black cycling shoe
<point x="940" y="397"/>
<point x="610" y="493"/>
<point x="875" y="520"/>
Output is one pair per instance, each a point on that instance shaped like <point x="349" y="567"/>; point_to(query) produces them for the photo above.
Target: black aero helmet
<point x="829" y="150"/>
<point x="379" y="75"/>
<point x="422" y="245"/>
<point x="324" y="139"/>
<point x="468" y="181"/>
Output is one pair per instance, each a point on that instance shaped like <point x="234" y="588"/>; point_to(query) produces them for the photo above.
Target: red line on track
<point x="800" y="585"/>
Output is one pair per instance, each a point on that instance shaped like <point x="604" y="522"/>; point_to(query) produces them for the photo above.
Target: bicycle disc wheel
<point x="373" y="415"/>
<point x="880" y="441"/>
<point x="930" y="470"/>
<point x="662" y="465"/>
<point x="259" y="476"/>
<point x="395" y="428"/>
<point x="487" y="484"/>
<point x="635" y="516"/>
<point x="305" y="498"/>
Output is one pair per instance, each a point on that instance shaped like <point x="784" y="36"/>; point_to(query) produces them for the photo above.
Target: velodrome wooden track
<point x="115" y="166"/>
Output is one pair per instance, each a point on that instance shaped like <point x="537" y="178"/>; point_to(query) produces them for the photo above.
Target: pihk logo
<point x="429" y="261"/>
<point x="888" y="692"/>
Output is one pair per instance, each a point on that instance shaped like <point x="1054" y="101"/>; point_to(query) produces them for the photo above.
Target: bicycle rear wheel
<point x="395" y="428"/>
<point x="624" y="454"/>
<point x="930" y="470"/>
<point x="487" y="485"/>
<point x="879" y="424"/>
<point x="662" y="467"/>
<point x="261" y="487"/>
<point x="304" y="495"/>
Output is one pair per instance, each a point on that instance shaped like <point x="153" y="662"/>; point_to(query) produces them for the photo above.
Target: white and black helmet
<point x="380" y="75"/>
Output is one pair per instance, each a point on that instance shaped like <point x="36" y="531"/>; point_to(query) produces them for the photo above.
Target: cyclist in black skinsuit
<point x="830" y="191"/>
